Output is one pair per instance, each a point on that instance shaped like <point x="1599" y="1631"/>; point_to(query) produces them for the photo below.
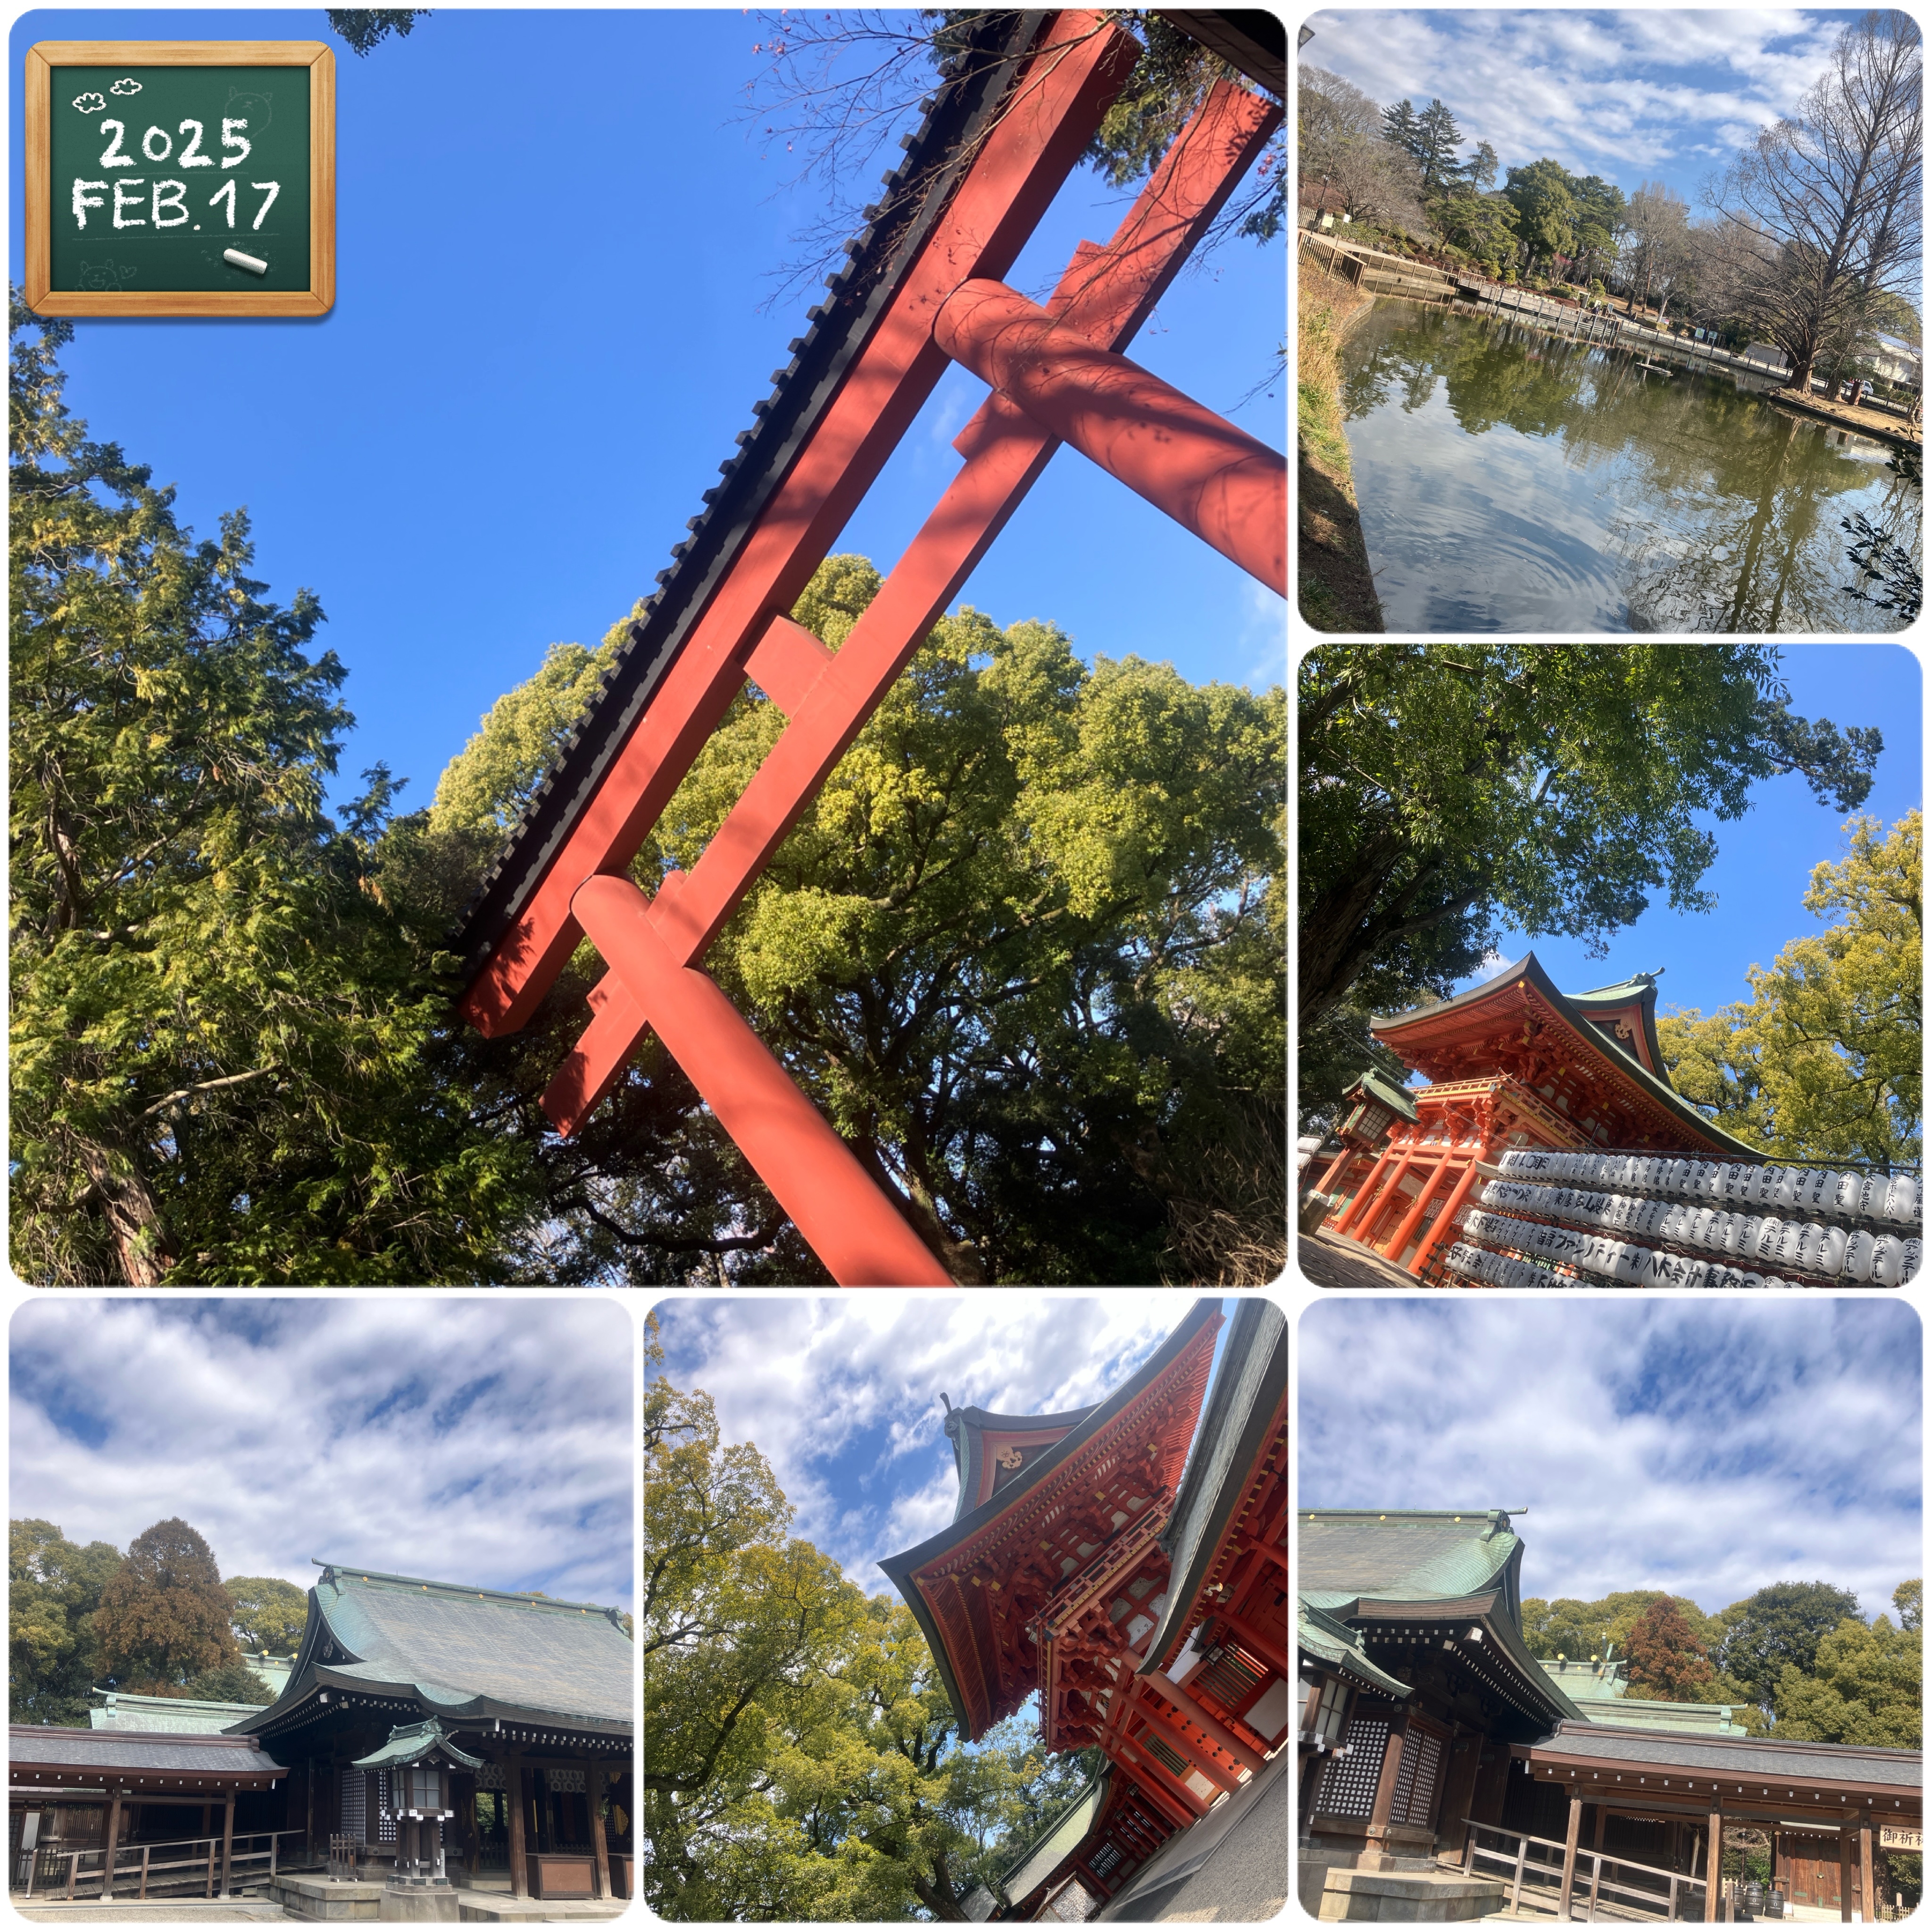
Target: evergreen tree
<point x="268" y="1613"/>
<point x="53" y="1593"/>
<point x="164" y="1614"/>
<point x="1479" y="169"/>
<point x="1437" y="138"/>
<point x="1400" y="127"/>
<point x="219" y="1034"/>
<point x="1778" y="1627"/>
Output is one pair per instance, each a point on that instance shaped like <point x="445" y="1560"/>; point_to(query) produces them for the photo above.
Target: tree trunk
<point x="133" y="1215"/>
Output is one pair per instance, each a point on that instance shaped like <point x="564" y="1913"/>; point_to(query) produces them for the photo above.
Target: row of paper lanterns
<point x="1498" y="1270"/>
<point x="1733" y="1185"/>
<point x="1808" y="1247"/>
<point x="1888" y="1261"/>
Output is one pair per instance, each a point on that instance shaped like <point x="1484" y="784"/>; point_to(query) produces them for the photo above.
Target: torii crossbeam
<point x="923" y="287"/>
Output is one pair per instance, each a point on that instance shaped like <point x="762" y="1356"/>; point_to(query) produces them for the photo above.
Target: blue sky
<point x="486" y="1442"/>
<point x="1765" y="859"/>
<point x="1707" y="1448"/>
<point x="495" y="438"/>
<point x="841" y="1396"/>
<point x="1637" y="97"/>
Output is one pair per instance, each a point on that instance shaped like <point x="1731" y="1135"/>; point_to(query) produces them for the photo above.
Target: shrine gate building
<point x="1511" y="1063"/>
<point x="1128" y="1563"/>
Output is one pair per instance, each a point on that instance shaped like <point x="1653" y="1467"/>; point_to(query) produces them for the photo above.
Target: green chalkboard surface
<point x="180" y="177"/>
<point x="157" y="172"/>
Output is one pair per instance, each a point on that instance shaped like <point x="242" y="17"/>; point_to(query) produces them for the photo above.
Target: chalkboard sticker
<point x="190" y="178"/>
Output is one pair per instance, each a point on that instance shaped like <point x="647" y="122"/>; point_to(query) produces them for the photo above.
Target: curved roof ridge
<point x="1621" y="1061"/>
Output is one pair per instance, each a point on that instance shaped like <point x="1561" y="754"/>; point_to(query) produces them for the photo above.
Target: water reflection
<point x="1510" y="481"/>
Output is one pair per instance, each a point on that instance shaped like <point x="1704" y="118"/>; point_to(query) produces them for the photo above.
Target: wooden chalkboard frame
<point x="316" y="299"/>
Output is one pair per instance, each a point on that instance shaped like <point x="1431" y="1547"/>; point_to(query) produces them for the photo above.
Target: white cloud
<point x="842" y="1395"/>
<point x="125" y="86"/>
<point x="91" y="103"/>
<point x="486" y="1441"/>
<point x="1706" y="1448"/>
<point x="1619" y="93"/>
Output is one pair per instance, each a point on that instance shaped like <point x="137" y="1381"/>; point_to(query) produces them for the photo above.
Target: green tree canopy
<point x="268" y="1613"/>
<point x="1443" y="787"/>
<point x="1825" y="1060"/>
<point x="164" y="1614"/>
<point x="53" y="1592"/>
<point x="802" y="1758"/>
<point x="1024" y="949"/>
<point x="1546" y="208"/>
<point x="1865" y="1686"/>
<point x="219" y="1034"/>
<point x="1780" y="1625"/>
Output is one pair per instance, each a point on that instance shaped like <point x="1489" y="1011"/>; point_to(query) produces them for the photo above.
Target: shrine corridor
<point x="1510" y="480"/>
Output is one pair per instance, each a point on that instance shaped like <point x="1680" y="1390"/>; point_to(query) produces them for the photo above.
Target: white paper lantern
<point x="1888" y="1260"/>
<point x="1908" y="1262"/>
<point x="1831" y="1251"/>
<point x="1901" y="1200"/>
<point x="1811" y="1248"/>
<point x="1858" y="1255"/>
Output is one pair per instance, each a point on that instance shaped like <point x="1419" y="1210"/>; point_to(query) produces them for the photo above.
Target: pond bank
<point x="1335" y="589"/>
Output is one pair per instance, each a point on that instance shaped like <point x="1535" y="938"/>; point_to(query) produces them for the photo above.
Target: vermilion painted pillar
<point x="1445" y="1221"/>
<point x="1368" y="1204"/>
<point x="1227" y="486"/>
<point x="1362" y="1193"/>
<point x="1407" y="1225"/>
<point x="863" y="1240"/>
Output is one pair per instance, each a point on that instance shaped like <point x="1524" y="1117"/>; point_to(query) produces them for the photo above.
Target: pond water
<point x="1510" y="481"/>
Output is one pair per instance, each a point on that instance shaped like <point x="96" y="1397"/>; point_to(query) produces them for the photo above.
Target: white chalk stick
<point x="241" y="261"/>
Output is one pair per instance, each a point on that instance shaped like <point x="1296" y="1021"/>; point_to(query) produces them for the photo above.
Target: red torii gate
<point x="1057" y="373"/>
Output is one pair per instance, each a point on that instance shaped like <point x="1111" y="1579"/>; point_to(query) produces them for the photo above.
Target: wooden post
<point x="144" y="1871"/>
<point x="1714" y="1867"/>
<point x="513" y="1792"/>
<point x="1867" y="1896"/>
<point x="207" y="1890"/>
<point x="1596" y="1881"/>
<point x="1468" y="1849"/>
<point x="1572" y="1832"/>
<point x="1515" y="1889"/>
<point x="594" y="1778"/>
<point x="1379" y="1816"/>
<point x="1844" y="1875"/>
<point x="113" y="1838"/>
<point x="228" y="1846"/>
<point x="1444" y="1225"/>
<point x="1407" y="1225"/>
<point x="1394" y="1159"/>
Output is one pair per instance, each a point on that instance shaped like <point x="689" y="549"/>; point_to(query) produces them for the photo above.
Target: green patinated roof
<point x="1405" y="1555"/>
<point x="410" y="1744"/>
<point x="1399" y="1098"/>
<point x="461" y="1652"/>
<point x="1331" y="1640"/>
<point x="1599" y="1691"/>
<point x="191" y="1716"/>
<point x="1644" y="1714"/>
<point x="1035" y="1864"/>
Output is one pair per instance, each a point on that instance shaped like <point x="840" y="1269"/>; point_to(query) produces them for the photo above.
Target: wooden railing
<point x="136" y="1867"/>
<point x="1522" y="1864"/>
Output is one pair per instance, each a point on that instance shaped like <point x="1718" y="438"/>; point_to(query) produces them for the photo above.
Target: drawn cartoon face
<point x="253" y="108"/>
<point x="106" y="276"/>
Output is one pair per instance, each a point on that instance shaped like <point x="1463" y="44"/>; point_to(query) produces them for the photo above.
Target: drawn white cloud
<point x="124" y="85"/>
<point x="91" y="103"/>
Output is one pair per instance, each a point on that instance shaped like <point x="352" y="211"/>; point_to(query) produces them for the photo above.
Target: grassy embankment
<point x="1335" y="588"/>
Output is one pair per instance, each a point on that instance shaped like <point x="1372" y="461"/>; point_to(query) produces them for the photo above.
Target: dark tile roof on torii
<point x="461" y="1652"/>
